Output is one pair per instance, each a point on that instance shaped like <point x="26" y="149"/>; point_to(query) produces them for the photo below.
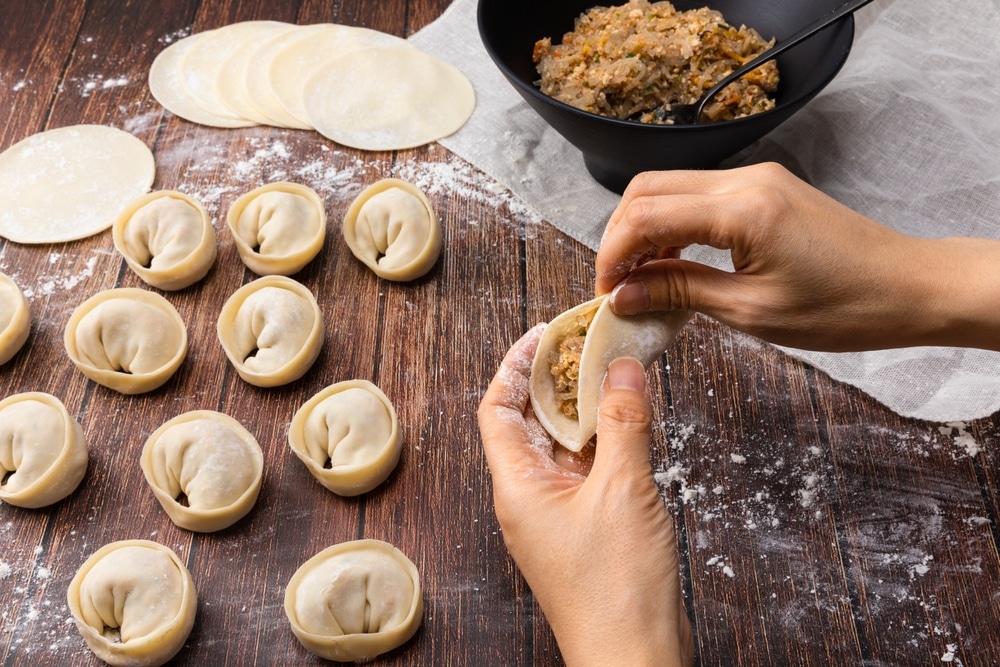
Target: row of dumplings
<point x="167" y="238"/>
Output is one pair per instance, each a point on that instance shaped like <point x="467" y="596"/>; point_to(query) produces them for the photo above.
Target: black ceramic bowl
<point x="616" y="150"/>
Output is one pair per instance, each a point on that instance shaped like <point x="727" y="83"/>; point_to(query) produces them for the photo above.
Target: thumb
<point x="624" y="422"/>
<point x="671" y="284"/>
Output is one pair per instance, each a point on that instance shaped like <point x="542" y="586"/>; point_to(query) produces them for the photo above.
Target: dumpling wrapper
<point x="348" y="437"/>
<point x="134" y="603"/>
<point x="130" y="340"/>
<point x="393" y="229"/>
<point x="355" y="600"/>
<point x="15" y="318"/>
<point x="43" y="451"/>
<point x="210" y="459"/>
<point x="70" y="183"/>
<point x="278" y="228"/>
<point x="388" y="98"/>
<point x="609" y="337"/>
<point x="167" y="239"/>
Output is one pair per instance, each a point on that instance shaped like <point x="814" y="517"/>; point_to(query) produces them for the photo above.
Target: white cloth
<point x="908" y="134"/>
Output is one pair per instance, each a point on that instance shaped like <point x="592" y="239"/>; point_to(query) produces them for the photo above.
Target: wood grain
<point x="815" y="526"/>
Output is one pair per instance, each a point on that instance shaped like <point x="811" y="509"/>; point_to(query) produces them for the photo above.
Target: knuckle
<point x="626" y="416"/>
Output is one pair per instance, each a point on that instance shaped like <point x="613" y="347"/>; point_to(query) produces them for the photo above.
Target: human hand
<point x="808" y="271"/>
<point x="592" y="537"/>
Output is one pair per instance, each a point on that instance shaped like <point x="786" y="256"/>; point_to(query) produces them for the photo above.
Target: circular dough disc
<point x="233" y="72"/>
<point x="388" y="98"/>
<point x="70" y="183"/>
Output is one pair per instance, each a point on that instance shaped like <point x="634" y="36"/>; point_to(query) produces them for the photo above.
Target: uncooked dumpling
<point x="278" y="228"/>
<point x="129" y="340"/>
<point x="204" y="468"/>
<point x="572" y="361"/>
<point x="15" y="319"/>
<point x="167" y="238"/>
<point x="348" y="436"/>
<point x="272" y="330"/>
<point x="392" y="228"/>
<point x="43" y="452"/>
<point x="355" y="600"/>
<point x="134" y="602"/>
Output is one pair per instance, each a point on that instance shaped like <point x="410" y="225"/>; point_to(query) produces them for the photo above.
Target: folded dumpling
<point x="15" y="319"/>
<point x="134" y="602"/>
<point x="204" y="468"/>
<point x="43" y="452"/>
<point x="573" y="357"/>
<point x="126" y="339"/>
<point x="272" y="330"/>
<point x="278" y="228"/>
<point x="392" y="228"/>
<point x="348" y="436"/>
<point x="166" y="238"/>
<point x="355" y="600"/>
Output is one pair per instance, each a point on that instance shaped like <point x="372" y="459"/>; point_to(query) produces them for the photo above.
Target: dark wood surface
<point x="816" y="527"/>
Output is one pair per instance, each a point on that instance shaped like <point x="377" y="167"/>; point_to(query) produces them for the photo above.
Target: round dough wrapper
<point x="355" y="600"/>
<point x="15" y="318"/>
<point x="290" y="69"/>
<point x="43" y="451"/>
<point x="234" y="70"/>
<point x="71" y="183"/>
<point x="210" y="460"/>
<point x="166" y="238"/>
<point x="272" y="331"/>
<point x="134" y="602"/>
<point x="606" y="337"/>
<point x="388" y="98"/>
<point x="127" y="339"/>
<point x="348" y="437"/>
<point x="278" y="228"/>
<point x="393" y="229"/>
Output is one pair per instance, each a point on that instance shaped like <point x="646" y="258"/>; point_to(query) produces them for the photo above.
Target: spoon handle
<point x="822" y="22"/>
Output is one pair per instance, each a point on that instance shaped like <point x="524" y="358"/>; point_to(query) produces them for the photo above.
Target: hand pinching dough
<point x="355" y="600"/>
<point x="348" y="436"/>
<point x="70" y="183"/>
<point x="166" y="238"/>
<point x="204" y="468"/>
<point x="43" y="452"/>
<point x="278" y="228"/>
<point x="392" y="228"/>
<point x="272" y="331"/>
<point x="134" y="603"/>
<point x="129" y="340"/>
<point x="573" y="357"/>
<point x="15" y="319"/>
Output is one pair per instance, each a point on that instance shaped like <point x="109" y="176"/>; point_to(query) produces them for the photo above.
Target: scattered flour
<point x="962" y="437"/>
<point x="5" y="570"/>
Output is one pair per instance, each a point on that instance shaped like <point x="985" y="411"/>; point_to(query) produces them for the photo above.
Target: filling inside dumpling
<point x="398" y="227"/>
<point x="272" y="326"/>
<point x="564" y="364"/>
<point x="128" y="337"/>
<point x="278" y="223"/>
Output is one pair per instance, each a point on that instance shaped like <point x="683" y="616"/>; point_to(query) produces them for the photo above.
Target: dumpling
<point x="43" y="452"/>
<point x="134" y="602"/>
<point x="573" y="357"/>
<point x="278" y="228"/>
<point x="355" y="600"/>
<point x="348" y="436"/>
<point x="392" y="228"/>
<point x="15" y="319"/>
<point x="166" y="238"/>
<point x="204" y="468"/>
<point x="127" y="339"/>
<point x="272" y="331"/>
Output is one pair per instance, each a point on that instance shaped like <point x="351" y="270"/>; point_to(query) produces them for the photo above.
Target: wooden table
<point x="816" y="527"/>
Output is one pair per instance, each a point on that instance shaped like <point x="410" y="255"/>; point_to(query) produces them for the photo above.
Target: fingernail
<point x="630" y="298"/>
<point x="626" y="373"/>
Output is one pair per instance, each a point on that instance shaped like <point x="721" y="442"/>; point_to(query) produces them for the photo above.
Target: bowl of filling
<point x="605" y="77"/>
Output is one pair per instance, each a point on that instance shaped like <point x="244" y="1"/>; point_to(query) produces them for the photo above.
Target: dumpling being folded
<point x="355" y="600"/>
<point x="166" y="238"/>
<point x="126" y="339"/>
<point x="392" y="228"/>
<point x="572" y="360"/>
<point x="134" y="602"/>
